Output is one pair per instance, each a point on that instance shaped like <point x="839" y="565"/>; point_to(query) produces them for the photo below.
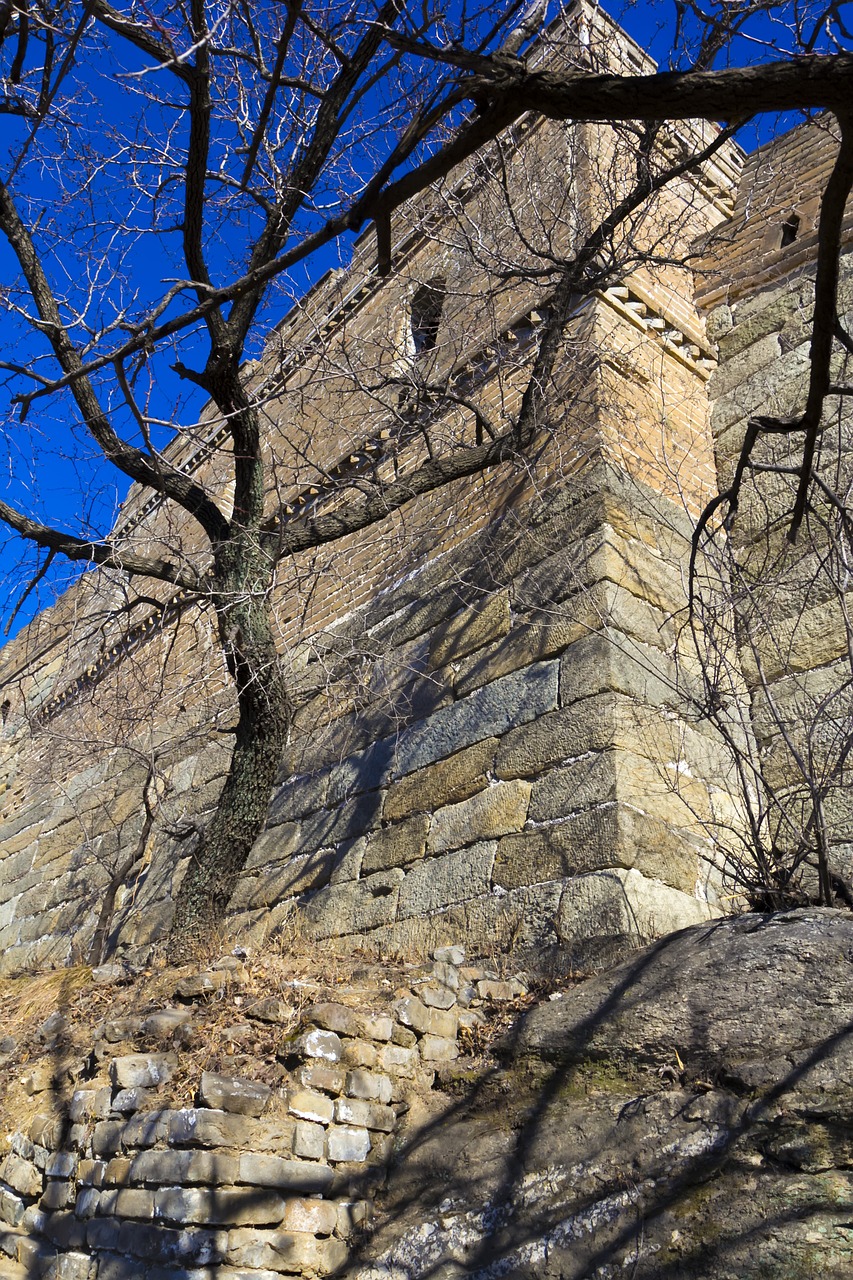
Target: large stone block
<point x="354" y="905"/>
<point x="209" y="1167"/>
<point x="454" y="877"/>
<point x="445" y="782"/>
<point x="396" y="846"/>
<point x="488" y="712"/>
<point x="228" y="1093"/>
<point x="285" y="1175"/>
<point x="143" y="1070"/>
<point x="620" y="903"/>
<point x="224" y="1206"/>
<point x="495" y="811"/>
<point x="289" y="1251"/>
<point x="470" y="629"/>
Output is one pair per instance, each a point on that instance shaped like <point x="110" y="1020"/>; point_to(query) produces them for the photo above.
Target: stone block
<point x="275" y="845"/>
<point x="286" y="1175"/>
<point x="496" y="811"/>
<point x="438" y="1049"/>
<point x="89" y="1104"/>
<point x="168" y="1245"/>
<point x="347" y="1144"/>
<point x="325" y="1045"/>
<point x="331" y="1016"/>
<point x="88" y="1202"/>
<point x="377" y="1026"/>
<point x="439" y="882"/>
<point x="11" y="1207"/>
<point x="360" y="1053"/>
<point x="576" y="786"/>
<point x="319" y="1217"/>
<point x="143" y="1070"/>
<point x="489" y="712"/>
<point x="228" y="1093"/>
<point x="196" y="986"/>
<point x="300" y="874"/>
<point x="616" y="903"/>
<point x="372" y="1086"/>
<point x="282" y="1251"/>
<point x="396" y="846"/>
<point x="366" y="1115"/>
<point x="73" y="1266"/>
<point x="445" y="782"/>
<point x="224" y="1206"/>
<point x="437" y="995"/>
<point x="127" y="1101"/>
<point x="437" y="1022"/>
<point x="353" y="906"/>
<point x="61" y="1164"/>
<point x="309" y="1140"/>
<point x="271" y="1010"/>
<point x="469" y="630"/>
<point x="298" y="797"/>
<point x="21" y="1175"/>
<point x="145" y="1129"/>
<point x="201" y="1127"/>
<point x="317" y="1075"/>
<point x="307" y="1104"/>
<point x="209" y="1167"/>
<point x="398" y="1060"/>
<point x="132" y="1202"/>
<point x="91" y="1173"/>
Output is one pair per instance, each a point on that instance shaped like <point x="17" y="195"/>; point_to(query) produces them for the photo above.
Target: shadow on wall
<point x="684" y="1116"/>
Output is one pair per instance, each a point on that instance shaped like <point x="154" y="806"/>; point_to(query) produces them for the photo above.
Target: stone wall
<point x="251" y="1182"/>
<point x="792" y="600"/>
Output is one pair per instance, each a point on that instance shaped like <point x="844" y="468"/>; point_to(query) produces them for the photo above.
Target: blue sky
<point x="48" y="468"/>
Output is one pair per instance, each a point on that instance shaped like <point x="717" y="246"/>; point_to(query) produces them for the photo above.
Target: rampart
<point x="498" y="731"/>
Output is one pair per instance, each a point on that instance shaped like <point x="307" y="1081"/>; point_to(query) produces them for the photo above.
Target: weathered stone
<point x="366" y="1115"/>
<point x="117" y="1029"/>
<point x="437" y="995"/>
<point x="335" y="1017"/>
<point x="446" y="782"/>
<point x="377" y="1026"/>
<point x="11" y="1207"/>
<point x="238" y="1206"/>
<point x="320" y="1044"/>
<point x="89" y="1104"/>
<point x="347" y="1144"/>
<point x="165" y="1022"/>
<point x="320" y="1217"/>
<point x="317" y="1075"/>
<point x="440" y="882"/>
<point x="272" y="1010"/>
<point x="91" y="1173"/>
<point x="61" y="1164"/>
<point x="438" y="1049"/>
<point x="184" y="1166"/>
<point x="469" y="630"/>
<point x="287" y="1175"/>
<point x="88" y="1202"/>
<point x="491" y="989"/>
<point x="488" y="712"/>
<point x="369" y="1085"/>
<point x="127" y="1101"/>
<point x="47" y="1131"/>
<point x="619" y="903"/>
<point x="227" y="1093"/>
<point x="307" y="1104"/>
<point x="453" y="956"/>
<point x="21" y="1175"/>
<point x="398" y="1060"/>
<point x="309" y="1140"/>
<point x="38" y="1079"/>
<point x="496" y="811"/>
<point x="396" y="846"/>
<point x="201" y="1127"/>
<point x="288" y="1251"/>
<point x="360" y="1053"/>
<point x="143" y="1070"/>
<point x="145" y="1128"/>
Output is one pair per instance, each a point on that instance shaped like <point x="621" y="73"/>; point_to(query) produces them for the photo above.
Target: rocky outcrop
<point x="686" y="1116"/>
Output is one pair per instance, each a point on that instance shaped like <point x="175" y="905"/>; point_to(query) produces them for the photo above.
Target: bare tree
<point x="160" y="225"/>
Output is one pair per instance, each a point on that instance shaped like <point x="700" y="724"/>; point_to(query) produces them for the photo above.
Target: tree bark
<point x="245" y="631"/>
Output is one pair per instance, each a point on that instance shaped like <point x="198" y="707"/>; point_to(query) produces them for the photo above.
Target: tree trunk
<point x="245" y="632"/>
